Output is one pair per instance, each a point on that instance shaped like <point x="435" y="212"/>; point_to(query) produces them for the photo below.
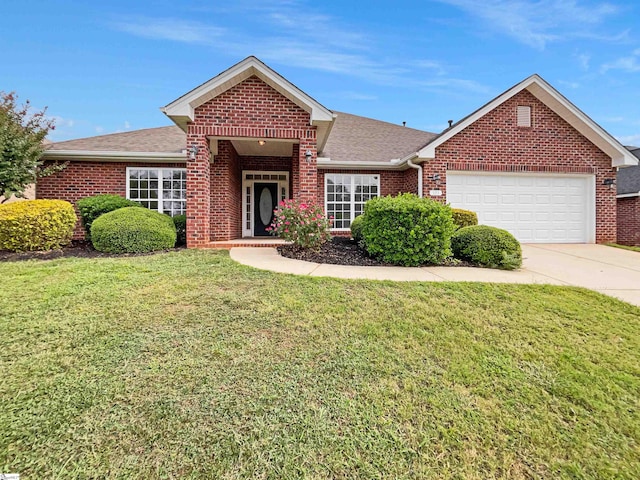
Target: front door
<point x="265" y="199"/>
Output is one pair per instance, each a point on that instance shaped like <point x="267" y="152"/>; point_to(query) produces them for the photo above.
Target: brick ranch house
<point x="528" y="161"/>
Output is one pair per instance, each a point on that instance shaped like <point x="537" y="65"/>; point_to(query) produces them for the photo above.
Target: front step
<point x="246" y="242"/>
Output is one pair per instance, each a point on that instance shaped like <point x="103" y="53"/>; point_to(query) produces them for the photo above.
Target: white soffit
<point x="548" y="95"/>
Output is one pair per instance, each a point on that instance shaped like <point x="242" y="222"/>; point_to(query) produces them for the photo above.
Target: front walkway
<point x="608" y="270"/>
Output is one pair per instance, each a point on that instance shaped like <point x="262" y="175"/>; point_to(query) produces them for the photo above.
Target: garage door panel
<point x="535" y="208"/>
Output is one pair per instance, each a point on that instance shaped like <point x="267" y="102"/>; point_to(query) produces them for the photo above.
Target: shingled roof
<point x="628" y="179"/>
<point x="355" y="138"/>
<point x="161" y="140"/>
<point x="352" y="139"/>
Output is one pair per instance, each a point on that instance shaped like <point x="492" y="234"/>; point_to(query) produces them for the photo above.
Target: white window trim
<point x="160" y="171"/>
<point x="352" y="200"/>
<point x="248" y="232"/>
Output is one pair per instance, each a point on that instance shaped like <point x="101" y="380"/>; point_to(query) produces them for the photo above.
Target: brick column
<point x="308" y="169"/>
<point x="198" y="190"/>
<point x="295" y="172"/>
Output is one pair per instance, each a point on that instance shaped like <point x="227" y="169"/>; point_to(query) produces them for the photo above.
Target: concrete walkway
<point x="608" y="270"/>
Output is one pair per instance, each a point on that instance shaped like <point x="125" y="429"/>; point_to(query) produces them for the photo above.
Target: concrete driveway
<point x="612" y="271"/>
<point x="608" y="270"/>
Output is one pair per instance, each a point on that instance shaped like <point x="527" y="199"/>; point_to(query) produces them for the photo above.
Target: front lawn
<point x="187" y="365"/>
<point x="625" y="247"/>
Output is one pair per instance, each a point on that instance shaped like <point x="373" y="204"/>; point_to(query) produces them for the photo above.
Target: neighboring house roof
<point x="628" y="179"/>
<point x="553" y="99"/>
<point x="355" y="138"/>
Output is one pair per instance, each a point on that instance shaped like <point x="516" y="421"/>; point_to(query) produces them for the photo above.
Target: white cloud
<point x="584" y="60"/>
<point x="170" y="29"/>
<point x="313" y="41"/>
<point x="99" y="129"/>
<point x="127" y="125"/>
<point x="536" y="23"/>
<point x="629" y="63"/>
<point x="630" y="139"/>
<point x="567" y="84"/>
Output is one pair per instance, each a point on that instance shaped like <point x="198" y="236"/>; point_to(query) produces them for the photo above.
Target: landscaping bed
<point x="344" y="251"/>
<point x="77" y="248"/>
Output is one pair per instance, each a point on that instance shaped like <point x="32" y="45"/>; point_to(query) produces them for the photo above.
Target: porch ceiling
<point x="270" y="148"/>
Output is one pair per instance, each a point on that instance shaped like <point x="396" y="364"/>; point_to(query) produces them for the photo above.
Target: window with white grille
<point x="524" y="116"/>
<point x="345" y="196"/>
<point x="160" y="189"/>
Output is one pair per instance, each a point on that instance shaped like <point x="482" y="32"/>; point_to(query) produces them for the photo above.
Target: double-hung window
<point x="160" y="189"/>
<point x="345" y="196"/>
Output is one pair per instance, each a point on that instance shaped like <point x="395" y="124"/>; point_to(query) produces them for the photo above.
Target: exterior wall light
<point x="194" y="151"/>
<point x="308" y="154"/>
<point x="610" y="182"/>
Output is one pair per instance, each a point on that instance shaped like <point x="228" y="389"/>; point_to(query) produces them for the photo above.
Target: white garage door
<point x="534" y="208"/>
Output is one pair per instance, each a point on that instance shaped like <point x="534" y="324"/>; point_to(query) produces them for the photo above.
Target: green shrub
<point x="407" y="230"/>
<point x="36" y="225"/>
<point x="180" y="221"/>
<point x="356" y="228"/>
<point x="487" y="246"/>
<point x="464" y="218"/>
<point x="91" y="208"/>
<point x="301" y="223"/>
<point x="133" y="230"/>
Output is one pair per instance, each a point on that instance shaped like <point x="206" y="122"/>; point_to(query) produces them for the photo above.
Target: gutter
<point x="419" y="168"/>
<point x="628" y="195"/>
<point x="110" y="156"/>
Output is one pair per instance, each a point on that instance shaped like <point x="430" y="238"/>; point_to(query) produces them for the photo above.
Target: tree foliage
<point x="22" y="133"/>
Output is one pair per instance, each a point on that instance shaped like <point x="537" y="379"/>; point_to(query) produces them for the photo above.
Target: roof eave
<point x="542" y="90"/>
<point x="327" y="164"/>
<point x="111" y="156"/>
<point x="185" y="105"/>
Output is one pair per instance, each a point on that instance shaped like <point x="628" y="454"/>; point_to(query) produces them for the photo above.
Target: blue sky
<point x="104" y="67"/>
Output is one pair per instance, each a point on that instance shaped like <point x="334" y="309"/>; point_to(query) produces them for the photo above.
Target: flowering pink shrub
<point x="301" y="223"/>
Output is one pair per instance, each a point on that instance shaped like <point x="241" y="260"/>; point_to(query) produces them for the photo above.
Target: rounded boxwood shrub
<point x="133" y="230"/>
<point x="356" y="228"/>
<point x="407" y="230"/>
<point x="487" y="246"/>
<point x="36" y="225"/>
<point x="464" y="218"/>
<point x="91" y="208"/>
<point x="180" y="221"/>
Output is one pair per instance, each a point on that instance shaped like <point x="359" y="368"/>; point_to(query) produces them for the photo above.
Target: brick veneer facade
<point x="494" y="143"/>
<point x="251" y="109"/>
<point x="629" y="221"/>
<point x="84" y="179"/>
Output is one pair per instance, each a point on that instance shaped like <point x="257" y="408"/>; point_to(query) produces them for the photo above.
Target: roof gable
<point x="548" y="95"/>
<point x="181" y="110"/>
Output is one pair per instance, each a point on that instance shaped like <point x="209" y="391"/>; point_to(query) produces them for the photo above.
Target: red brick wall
<point x="629" y="221"/>
<point x="496" y="143"/>
<point x="251" y="109"/>
<point x="85" y="179"/>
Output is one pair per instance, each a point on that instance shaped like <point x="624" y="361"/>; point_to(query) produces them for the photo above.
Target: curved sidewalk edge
<point x="270" y="259"/>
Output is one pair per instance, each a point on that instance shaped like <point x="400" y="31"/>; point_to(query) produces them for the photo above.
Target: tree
<point x="21" y="146"/>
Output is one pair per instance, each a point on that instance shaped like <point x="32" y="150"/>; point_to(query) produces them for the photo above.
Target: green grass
<point x="624" y="247"/>
<point x="188" y="365"/>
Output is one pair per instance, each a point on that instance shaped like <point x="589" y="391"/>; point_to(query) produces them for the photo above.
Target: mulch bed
<point x="344" y="251"/>
<point x="78" y="248"/>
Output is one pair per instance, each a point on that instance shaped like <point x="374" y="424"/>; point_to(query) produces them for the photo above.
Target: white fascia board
<point x="185" y="105"/>
<point x="109" y="156"/>
<point x="628" y="195"/>
<point x="548" y="95"/>
<point x="326" y="163"/>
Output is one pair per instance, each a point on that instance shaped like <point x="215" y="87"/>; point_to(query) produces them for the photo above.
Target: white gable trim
<point x="182" y="109"/>
<point x="548" y="95"/>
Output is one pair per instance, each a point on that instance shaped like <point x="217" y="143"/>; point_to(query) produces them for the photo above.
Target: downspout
<point x="419" y="168"/>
